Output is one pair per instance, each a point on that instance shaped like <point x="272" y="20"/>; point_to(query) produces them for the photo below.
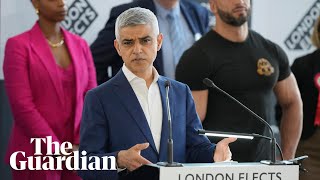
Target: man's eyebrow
<point x="146" y="37"/>
<point x="142" y="38"/>
<point x="127" y="40"/>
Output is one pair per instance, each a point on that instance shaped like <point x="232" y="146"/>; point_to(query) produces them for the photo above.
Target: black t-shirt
<point x="248" y="71"/>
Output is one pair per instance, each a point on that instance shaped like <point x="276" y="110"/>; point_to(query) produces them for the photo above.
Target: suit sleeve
<point x="103" y="51"/>
<point x="199" y="148"/>
<point x="25" y="112"/>
<point x="94" y="137"/>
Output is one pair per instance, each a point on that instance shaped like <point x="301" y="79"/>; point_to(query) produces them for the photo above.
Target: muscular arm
<point x="201" y="101"/>
<point x="288" y="96"/>
<point x="222" y="151"/>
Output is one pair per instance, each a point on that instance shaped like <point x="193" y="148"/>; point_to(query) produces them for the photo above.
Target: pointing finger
<point x="139" y="147"/>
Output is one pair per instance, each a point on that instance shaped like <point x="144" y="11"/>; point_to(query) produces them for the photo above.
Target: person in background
<point x="307" y="72"/>
<point x="250" y="68"/>
<point x="182" y="22"/>
<point x="47" y="73"/>
<point x="134" y="99"/>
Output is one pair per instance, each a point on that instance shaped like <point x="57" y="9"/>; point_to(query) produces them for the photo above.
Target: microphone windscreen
<point x="208" y="82"/>
<point x="167" y="83"/>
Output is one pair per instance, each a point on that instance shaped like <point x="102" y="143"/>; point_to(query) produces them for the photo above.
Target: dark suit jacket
<point x="305" y="68"/>
<point x="113" y="120"/>
<point x="104" y="53"/>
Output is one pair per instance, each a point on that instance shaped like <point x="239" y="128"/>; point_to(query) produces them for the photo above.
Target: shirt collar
<point x="130" y="76"/>
<point x="162" y="12"/>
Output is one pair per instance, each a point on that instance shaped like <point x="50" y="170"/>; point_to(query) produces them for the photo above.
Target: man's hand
<point x="222" y="152"/>
<point x="131" y="158"/>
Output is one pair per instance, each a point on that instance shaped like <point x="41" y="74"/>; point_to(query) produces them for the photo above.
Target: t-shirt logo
<point x="264" y="68"/>
<point x="317" y="81"/>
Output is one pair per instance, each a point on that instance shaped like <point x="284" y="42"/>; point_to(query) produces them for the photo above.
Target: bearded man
<point x="250" y="68"/>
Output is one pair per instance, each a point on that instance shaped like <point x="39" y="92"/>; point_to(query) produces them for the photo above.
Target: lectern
<point x="216" y="171"/>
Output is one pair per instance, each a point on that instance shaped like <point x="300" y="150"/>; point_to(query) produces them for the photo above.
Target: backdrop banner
<point x="289" y="23"/>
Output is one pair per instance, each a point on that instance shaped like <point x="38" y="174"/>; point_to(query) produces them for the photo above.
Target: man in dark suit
<point x="192" y="22"/>
<point x="126" y="116"/>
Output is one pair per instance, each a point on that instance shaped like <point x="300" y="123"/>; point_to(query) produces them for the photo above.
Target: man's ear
<point x="116" y="45"/>
<point x="212" y="4"/>
<point x="159" y="41"/>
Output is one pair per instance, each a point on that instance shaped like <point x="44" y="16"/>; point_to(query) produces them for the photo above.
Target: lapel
<point x="129" y="100"/>
<point x="165" y="127"/>
<point x="185" y="11"/>
<point x="187" y="14"/>
<point x="42" y="49"/>
<point x="75" y="52"/>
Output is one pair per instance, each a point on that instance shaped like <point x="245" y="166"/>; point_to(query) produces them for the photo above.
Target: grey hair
<point x="136" y="16"/>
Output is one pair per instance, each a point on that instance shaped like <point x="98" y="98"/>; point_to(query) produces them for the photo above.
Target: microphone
<point x="273" y="161"/>
<point x="170" y="162"/>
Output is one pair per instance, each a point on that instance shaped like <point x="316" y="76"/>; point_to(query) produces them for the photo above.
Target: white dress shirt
<point x="150" y="101"/>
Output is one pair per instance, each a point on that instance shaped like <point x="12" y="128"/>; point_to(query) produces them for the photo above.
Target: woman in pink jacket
<point x="47" y="72"/>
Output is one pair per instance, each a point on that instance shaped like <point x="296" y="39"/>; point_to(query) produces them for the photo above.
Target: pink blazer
<point x="35" y="94"/>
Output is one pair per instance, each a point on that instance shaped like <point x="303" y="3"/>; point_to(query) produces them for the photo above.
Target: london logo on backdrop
<point x="299" y="38"/>
<point x="80" y="16"/>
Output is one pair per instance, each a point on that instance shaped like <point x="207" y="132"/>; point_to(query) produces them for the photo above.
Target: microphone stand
<point x="170" y="162"/>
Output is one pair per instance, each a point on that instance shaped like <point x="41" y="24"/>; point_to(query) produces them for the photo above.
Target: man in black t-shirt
<point x="250" y="68"/>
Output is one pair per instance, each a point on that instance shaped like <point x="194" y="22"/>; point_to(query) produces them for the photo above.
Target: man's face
<point x="138" y="46"/>
<point x="232" y="12"/>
